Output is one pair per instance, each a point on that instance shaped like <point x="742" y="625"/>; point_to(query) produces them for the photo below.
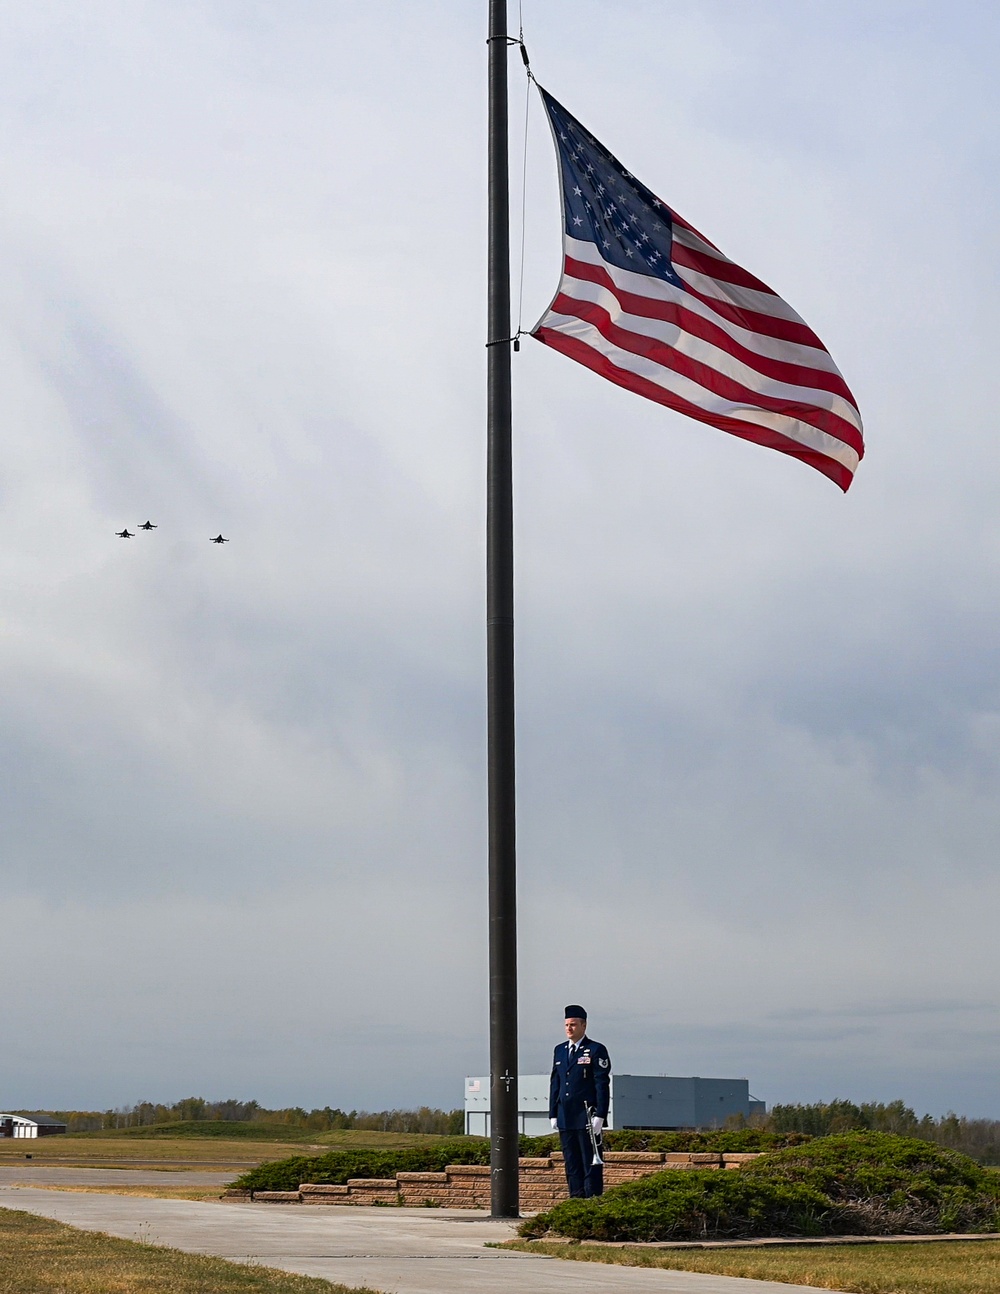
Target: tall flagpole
<point x="500" y="650"/>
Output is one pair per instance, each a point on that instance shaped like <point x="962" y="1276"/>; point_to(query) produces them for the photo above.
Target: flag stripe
<point x="651" y="304"/>
<point x="679" y="223"/>
<point x="809" y="354"/>
<point x="721" y="270"/>
<point x="685" y="320"/>
<point x="713" y="370"/>
<point x="694" y="394"/>
<point x="838" y="462"/>
<point x="757" y="311"/>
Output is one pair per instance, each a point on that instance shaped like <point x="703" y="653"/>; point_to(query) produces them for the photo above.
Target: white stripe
<point x="645" y="285"/>
<point x="765" y="303"/>
<point x="802" y="433"/>
<point x="688" y="238"/>
<point x="707" y="353"/>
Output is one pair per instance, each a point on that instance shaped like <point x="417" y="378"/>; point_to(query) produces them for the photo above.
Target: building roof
<point x="39" y="1120"/>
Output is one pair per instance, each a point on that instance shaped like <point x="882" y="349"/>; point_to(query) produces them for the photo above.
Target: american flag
<point x="651" y="304"/>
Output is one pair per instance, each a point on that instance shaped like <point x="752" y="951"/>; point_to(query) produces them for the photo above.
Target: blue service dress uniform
<point x="581" y="1079"/>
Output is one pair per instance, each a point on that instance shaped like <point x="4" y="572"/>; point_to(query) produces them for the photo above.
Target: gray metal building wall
<point x="656" y="1101"/>
<point x="637" y="1101"/>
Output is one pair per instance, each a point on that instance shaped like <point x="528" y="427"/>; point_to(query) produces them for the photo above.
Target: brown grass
<point x="89" y="1151"/>
<point x="173" y="1152"/>
<point x="199" y="1193"/>
<point x="45" y="1257"/>
<point x="954" y="1267"/>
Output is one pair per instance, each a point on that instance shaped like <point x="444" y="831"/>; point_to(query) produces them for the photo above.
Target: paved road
<point x="403" y="1251"/>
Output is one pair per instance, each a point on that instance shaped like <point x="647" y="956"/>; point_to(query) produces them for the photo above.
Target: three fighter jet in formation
<point x="148" y="525"/>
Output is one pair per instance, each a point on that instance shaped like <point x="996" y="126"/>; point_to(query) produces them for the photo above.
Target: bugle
<point x="595" y="1139"/>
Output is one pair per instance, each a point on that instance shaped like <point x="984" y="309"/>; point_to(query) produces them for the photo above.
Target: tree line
<point x="195" y="1109"/>
<point x="979" y="1138"/>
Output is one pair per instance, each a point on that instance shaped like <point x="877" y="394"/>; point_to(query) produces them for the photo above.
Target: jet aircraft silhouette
<point x="124" y="534"/>
<point x="218" y="540"/>
<point x="146" y="525"/>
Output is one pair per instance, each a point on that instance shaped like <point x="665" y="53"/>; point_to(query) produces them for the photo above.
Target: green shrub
<point x="688" y="1205"/>
<point x="863" y="1183"/>
<point x="339" y="1166"/>
<point x="649" y="1139"/>
<point x="881" y="1184"/>
<point x="741" y="1139"/>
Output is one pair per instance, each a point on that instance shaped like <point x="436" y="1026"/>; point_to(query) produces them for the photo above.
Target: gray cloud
<point x="243" y="788"/>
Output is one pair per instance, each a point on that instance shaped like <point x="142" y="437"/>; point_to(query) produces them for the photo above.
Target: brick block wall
<point x="467" y="1186"/>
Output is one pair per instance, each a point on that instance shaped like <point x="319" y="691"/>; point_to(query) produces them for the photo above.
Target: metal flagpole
<point x="500" y="650"/>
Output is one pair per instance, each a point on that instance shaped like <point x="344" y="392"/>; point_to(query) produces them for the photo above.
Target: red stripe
<point x="599" y="363"/>
<point x="686" y="224"/>
<point x="704" y="375"/>
<point x="757" y="321"/>
<point x="752" y="320"/>
<point x="724" y="271"/>
<point x="698" y="326"/>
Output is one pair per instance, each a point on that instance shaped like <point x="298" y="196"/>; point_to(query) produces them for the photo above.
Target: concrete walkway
<point x="401" y="1251"/>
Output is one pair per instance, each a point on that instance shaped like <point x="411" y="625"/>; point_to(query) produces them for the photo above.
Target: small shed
<point x="34" y="1125"/>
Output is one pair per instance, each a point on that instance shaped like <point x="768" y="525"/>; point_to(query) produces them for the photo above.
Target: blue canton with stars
<point x="607" y="205"/>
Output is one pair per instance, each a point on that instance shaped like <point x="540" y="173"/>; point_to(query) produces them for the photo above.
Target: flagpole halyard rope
<point x="524" y="189"/>
<point x="518" y="40"/>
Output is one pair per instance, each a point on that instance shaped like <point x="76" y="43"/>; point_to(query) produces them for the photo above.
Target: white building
<point x="20" y="1125"/>
<point x="637" y="1101"/>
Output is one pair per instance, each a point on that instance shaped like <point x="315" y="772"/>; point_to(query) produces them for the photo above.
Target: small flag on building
<point x="651" y="304"/>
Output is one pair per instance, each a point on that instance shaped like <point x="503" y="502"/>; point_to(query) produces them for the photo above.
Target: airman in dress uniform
<point x="580" y="1091"/>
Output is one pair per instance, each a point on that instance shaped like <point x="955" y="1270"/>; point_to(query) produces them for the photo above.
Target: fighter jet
<point x="146" y="525"/>
<point x="218" y="540"/>
<point x="124" y="534"/>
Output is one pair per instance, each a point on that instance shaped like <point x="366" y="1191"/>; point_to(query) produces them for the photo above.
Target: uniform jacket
<point x="584" y="1080"/>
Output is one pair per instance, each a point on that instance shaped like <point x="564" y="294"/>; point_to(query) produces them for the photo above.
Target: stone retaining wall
<point x="467" y="1186"/>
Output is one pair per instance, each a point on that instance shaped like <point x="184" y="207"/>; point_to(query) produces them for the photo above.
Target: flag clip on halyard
<point x="652" y="305"/>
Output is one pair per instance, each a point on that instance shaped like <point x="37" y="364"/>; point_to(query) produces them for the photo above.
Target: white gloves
<point x="597" y="1123"/>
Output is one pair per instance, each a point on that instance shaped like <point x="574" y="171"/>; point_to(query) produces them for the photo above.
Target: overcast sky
<point x="242" y="787"/>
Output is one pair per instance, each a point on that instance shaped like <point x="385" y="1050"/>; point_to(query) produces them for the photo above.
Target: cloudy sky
<point x="242" y="787"/>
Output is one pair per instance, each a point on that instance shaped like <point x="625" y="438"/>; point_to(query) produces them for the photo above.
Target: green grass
<point x="45" y="1257"/>
<point x="971" y="1267"/>
<point x="202" y="1129"/>
<point x="219" y="1130"/>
